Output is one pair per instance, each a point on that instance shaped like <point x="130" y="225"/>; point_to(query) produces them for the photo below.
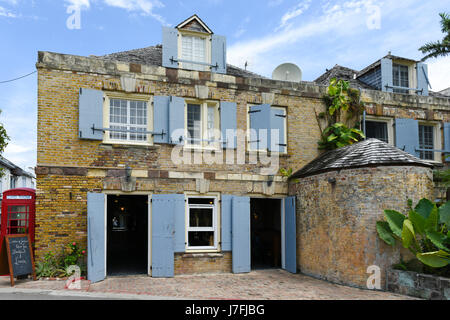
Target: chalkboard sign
<point x="19" y="255"/>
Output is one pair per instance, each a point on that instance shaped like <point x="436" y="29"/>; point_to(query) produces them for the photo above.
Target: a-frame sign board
<point x="16" y="257"/>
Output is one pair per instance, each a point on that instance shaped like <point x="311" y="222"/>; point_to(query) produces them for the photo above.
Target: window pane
<point x="377" y="130"/>
<point x="194" y="123"/>
<point x="128" y="115"/>
<point x="201" y="239"/>
<point x="400" y="78"/>
<point x="426" y="141"/>
<point x="210" y="201"/>
<point x="201" y="217"/>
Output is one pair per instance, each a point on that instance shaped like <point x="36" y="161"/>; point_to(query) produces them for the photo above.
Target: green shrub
<point x="424" y="231"/>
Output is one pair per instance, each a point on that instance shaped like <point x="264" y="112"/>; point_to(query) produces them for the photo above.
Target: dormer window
<point x="400" y="78"/>
<point x="192" y="46"/>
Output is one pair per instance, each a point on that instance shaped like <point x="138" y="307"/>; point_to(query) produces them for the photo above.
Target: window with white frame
<point x="426" y="141"/>
<point x="400" y="77"/>
<point x="202" y="223"/>
<point x="194" y="48"/>
<point x="202" y="124"/>
<point x="381" y="128"/>
<point x="126" y="119"/>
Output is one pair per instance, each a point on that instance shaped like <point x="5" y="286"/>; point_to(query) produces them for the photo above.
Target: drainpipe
<point x="364" y="124"/>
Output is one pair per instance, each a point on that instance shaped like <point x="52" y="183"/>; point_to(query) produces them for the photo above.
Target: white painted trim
<point x="390" y="126"/>
<point x="194" y="17"/>
<point x="216" y="222"/>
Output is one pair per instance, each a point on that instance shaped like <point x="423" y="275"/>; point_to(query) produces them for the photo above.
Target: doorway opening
<point x="265" y="228"/>
<point x="127" y="235"/>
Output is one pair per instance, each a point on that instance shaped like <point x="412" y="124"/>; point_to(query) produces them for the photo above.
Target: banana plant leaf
<point x="395" y="220"/>
<point x="433" y="259"/>
<point x="385" y="233"/>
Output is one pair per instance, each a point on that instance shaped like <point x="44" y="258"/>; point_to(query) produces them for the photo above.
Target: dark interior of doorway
<point x="127" y="230"/>
<point x="265" y="224"/>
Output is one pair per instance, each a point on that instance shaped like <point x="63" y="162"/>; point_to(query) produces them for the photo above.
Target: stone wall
<point x="336" y="222"/>
<point x="418" y="285"/>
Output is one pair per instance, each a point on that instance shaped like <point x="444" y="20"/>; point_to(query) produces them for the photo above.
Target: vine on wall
<point x="341" y="118"/>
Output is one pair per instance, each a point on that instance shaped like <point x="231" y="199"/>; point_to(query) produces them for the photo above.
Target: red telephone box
<point x="18" y="212"/>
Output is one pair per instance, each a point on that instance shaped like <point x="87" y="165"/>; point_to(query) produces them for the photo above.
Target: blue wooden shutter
<point x="161" y="119"/>
<point x="96" y="268"/>
<point x="241" y="234"/>
<point x="290" y="235"/>
<point x="278" y="122"/>
<point x="179" y="208"/>
<point x="176" y="120"/>
<point x="422" y="78"/>
<point x="169" y="47"/>
<point x="226" y="210"/>
<point x="386" y="75"/>
<point x="407" y="135"/>
<point x="219" y="53"/>
<point x="260" y="121"/>
<point x="90" y="114"/>
<point x="228" y="123"/>
<point x="447" y="141"/>
<point x="163" y="231"/>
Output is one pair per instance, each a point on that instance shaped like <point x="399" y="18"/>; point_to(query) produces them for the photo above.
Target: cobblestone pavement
<point x="257" y="285"/>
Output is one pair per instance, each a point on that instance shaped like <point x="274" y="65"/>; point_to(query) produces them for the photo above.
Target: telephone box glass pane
<point x="18" y="217"/>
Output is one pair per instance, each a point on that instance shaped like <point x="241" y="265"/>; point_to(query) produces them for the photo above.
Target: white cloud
<point x="79" y="3"/>
<point x="144" y="6"/>
<point x="7" y="13"/>
<point x="294" y="12"/>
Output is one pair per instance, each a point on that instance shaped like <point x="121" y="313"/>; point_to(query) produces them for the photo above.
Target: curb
<point x="87" y="295"/>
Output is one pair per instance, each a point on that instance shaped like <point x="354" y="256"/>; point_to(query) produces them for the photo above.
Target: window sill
<point x="193" y="255"/>
<point x="269" y="153"/>
<point x="121" y="145"/>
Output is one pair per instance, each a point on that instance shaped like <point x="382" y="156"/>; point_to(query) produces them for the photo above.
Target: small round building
<point x="340" y="196"/>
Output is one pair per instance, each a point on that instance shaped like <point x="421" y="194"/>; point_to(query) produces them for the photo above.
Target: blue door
<point x="96" y="270"/>
<point x="240" y="225"/>
<point x="290" y="235"/>
<point x="166" y="211"/>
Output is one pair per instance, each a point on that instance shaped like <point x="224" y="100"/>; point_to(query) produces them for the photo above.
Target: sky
<point x="315" y="35"/>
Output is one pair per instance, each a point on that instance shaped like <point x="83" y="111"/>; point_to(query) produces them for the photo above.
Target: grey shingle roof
<point x="367" y="153"/>
<point x="343" y="73"/>
<point x="153" y="56"/>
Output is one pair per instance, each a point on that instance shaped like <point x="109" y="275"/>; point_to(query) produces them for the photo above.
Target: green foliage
<point x="423" y="231"/>
<point x="438" y="48"/>
<point x="4" y="139"/>
<point x="52" y="266"/>
<point x="288" y="173"/>
<point x="338" y="136"/>
<point x="339" y="100"/>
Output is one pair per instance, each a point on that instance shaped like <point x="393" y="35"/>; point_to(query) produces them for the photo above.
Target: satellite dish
<point x="287" y="72"/>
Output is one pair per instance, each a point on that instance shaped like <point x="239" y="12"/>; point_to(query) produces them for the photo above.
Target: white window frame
<point x="437" y="140"/>
<point x="214" y="228"/>
<point x="204" y="105"/>
<point x="390" y="126"/>
<point x="206" y="38"/>
<point x="128" y="97"/>
<point x="249" y="149"/>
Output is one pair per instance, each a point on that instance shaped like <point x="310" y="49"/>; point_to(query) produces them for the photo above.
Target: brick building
<point x="159" y="162"/>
